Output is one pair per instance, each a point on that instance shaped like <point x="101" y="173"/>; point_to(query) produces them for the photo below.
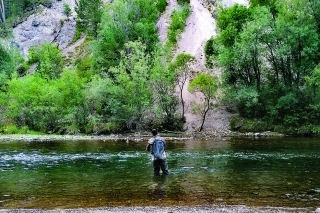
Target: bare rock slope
<point x="200" y="26"/>
<point x="46" y="25"/>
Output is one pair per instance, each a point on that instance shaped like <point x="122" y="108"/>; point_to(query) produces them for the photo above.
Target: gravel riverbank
<point x="137" y="136"/>
<point x="173" y="209"/>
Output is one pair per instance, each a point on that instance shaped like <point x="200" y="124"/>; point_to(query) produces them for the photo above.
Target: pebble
<point x="171" y="209"/>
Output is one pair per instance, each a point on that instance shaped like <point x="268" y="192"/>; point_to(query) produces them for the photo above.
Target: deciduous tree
<point x="181" y="68"/>
<point x="163" y="87"/>
<point x="48" y="59"/>
<point x="208" y="85"/>
<point x="89" y="15"/>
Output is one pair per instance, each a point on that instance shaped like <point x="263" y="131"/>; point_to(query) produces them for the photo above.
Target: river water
<point x="72" y="174"/>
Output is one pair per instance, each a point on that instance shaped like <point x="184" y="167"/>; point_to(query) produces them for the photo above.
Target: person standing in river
<point x="156" y="146"/>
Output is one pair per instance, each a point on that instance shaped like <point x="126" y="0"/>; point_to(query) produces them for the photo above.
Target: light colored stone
<point x="48" y="25"/>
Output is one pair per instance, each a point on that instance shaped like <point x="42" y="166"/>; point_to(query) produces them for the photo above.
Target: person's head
<point x="154" y="132"/>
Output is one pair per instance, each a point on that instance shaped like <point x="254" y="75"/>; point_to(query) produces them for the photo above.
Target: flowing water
<point x="71" y="174"/>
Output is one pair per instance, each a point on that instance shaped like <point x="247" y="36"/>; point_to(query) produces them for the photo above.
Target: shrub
<point x="178" y="20"/>
<point x="48" y="58"/>
<point x="11" y="129"/>
<point x="183" y="2"/>
<point x="66" y="9"/>
<point x="210" y="50"/>
<point x="247" y="102"/>
<point x="161" y="5"/>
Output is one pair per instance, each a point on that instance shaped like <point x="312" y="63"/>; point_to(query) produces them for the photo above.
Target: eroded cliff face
<point x="200" y="27"/>
<point x="46" y="25"/>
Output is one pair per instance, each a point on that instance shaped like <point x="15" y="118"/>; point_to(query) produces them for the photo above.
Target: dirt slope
<point x="200" y="26"/>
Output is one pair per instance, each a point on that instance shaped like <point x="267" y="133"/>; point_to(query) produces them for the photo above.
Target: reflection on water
<point x="274" y="172"/>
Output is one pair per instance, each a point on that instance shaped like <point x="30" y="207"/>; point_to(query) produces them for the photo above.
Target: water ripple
<point x="6" y="159"/>
<point x="39" y="158"/>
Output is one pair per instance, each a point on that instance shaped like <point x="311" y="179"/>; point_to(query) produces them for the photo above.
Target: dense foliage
<point x="270" y="57"/>
<point x="208" y="85"/>
<point x="178" y="20"/>
<point x="119" y="81"/>
<point x="9" y="61"/>
<point x="88" y="16"/>
<point x="124" y="21"/>
<point x="122" y="79"/>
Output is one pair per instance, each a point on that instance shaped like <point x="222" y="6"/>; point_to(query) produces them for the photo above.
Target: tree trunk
<point x="2" y="13"/>
<point x="205" y="114"/>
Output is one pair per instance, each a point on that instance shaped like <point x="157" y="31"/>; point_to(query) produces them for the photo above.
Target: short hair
<point x="154" y="132"/>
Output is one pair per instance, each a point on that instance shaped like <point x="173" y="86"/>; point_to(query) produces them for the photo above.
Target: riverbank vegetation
<point x="120" y="80"/>
<point x="269" y="53"/>
<point x="123" y="79"/>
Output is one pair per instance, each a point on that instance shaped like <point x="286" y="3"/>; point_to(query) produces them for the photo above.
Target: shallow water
<point x="71" y="174"/>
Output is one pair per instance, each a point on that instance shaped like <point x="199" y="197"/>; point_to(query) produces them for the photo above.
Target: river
<point x="281" y="172"/>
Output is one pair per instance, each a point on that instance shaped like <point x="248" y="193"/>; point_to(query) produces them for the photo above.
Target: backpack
<point x="158" y="148"/>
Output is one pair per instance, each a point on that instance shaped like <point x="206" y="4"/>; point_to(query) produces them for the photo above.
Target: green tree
<point x="123" y="21"/>
<point x="45" y="105"/>
<point x="266" y="59"/>
<point x="165" y="101"/>
<point x="208" y="86"/>
<point x="123" y="96"/>
<point x="161" y="5"/>
<point x="9" y="61"/>
<point x="181" y="68"/>
<point x="111" y="37"/>
<point x="231" y="22"/>
<point x="31" y="103"/>
<point x="132" y="85"/>
<point x="271" y="4"/>
<point x="72" y="110"/>
<point x="100" y="105"/>
<point x="89" y="15"/>
<point x="48" y="59"/>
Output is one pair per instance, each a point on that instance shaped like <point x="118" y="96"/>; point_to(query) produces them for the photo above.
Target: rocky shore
<point x="138" y="136"/>
<point x="172" y="209"/>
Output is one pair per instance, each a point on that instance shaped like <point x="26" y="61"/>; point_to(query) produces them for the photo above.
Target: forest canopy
<point x="270" y="58"/>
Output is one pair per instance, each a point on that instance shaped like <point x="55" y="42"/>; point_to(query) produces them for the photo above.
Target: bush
<point x="48" y="58"/>
<point x="161" y="5"/>
<point x="240" y="124"/>
<point x="11" y="129"/>
<point x="178" y="20"/>
<point x="66" y="9"/>
<point x="210" y="50"/>
<point x="247" y="102"/>
<point x="183" y="2"/>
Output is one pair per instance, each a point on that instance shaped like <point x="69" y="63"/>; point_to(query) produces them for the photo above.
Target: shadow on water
<point x="61" y="174"/>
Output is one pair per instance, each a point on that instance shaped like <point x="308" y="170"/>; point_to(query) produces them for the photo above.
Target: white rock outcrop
<point x="49" y="25"/>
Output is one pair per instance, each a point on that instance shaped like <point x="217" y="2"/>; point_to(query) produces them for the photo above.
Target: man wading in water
<point x="156" y="145"/>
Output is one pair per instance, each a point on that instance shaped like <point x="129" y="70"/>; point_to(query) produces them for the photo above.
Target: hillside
<point x="200" y="26"/>
<point x="52" y="25"/>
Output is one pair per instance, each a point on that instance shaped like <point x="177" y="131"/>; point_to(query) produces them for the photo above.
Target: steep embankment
<point x="200" y="26"/>
<point x="48" y="24"/>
